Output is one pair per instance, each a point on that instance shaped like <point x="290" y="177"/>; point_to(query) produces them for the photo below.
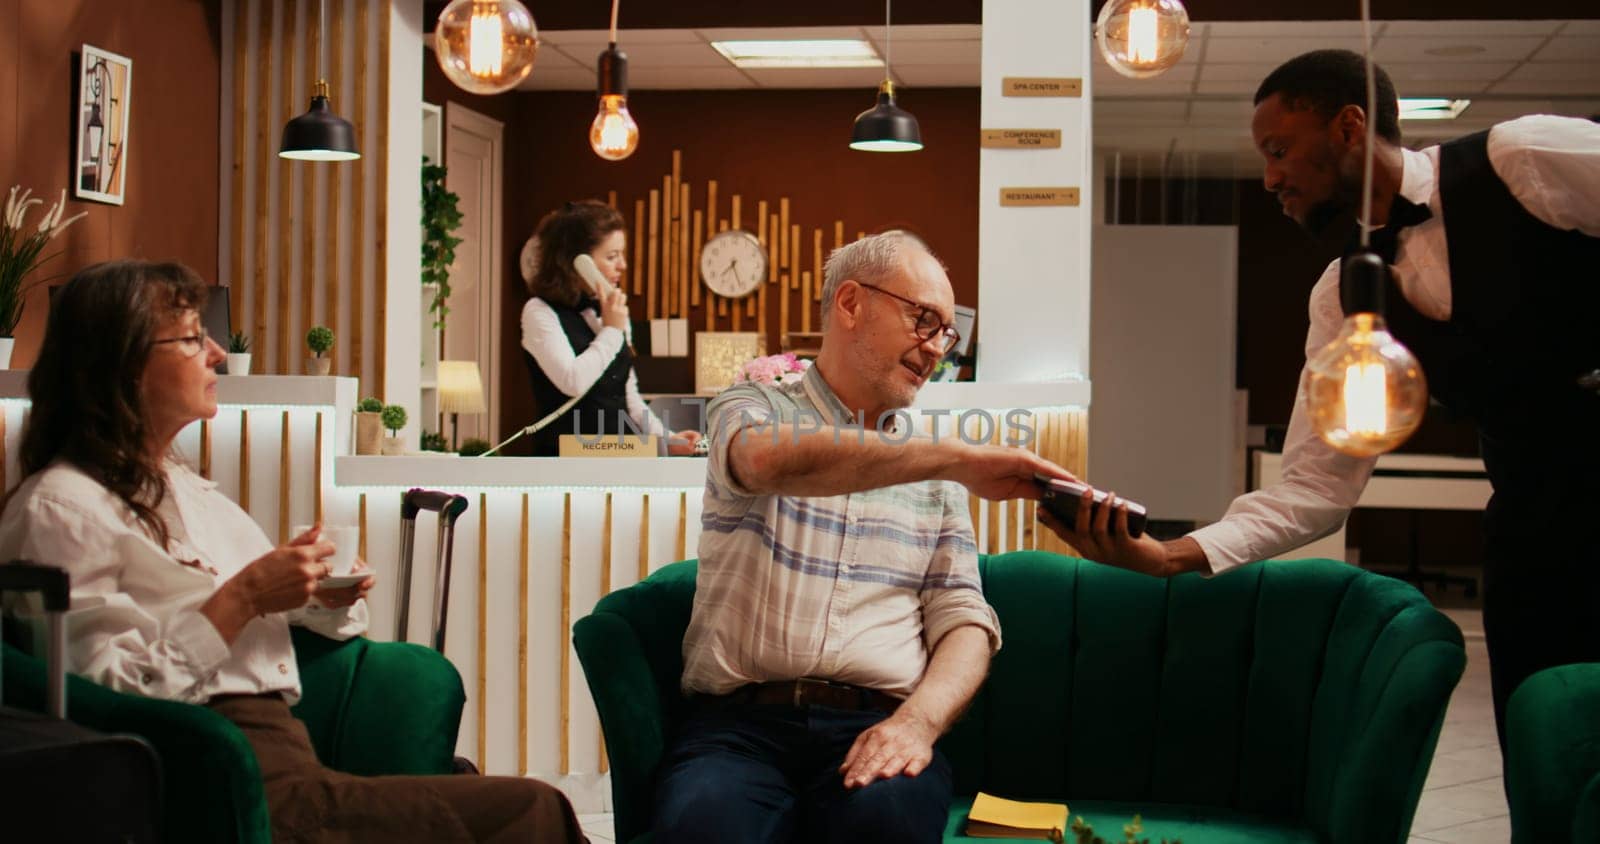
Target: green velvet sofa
<point x="1292" y="701"/>
<point x="1553" y="756"/>
<point x="370" y="707"/>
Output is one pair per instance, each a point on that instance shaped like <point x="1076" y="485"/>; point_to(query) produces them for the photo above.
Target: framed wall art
<point x="100" y="171"/>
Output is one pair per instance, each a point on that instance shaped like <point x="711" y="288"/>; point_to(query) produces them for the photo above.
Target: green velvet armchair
<point x="1553" y="756"/>
<point x="370" y="707"/>
<point x="1292" y="701"/>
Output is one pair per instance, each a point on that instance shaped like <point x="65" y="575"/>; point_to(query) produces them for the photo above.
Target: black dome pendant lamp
<point x="319" y="134"/>
<point x="886" y="127"/>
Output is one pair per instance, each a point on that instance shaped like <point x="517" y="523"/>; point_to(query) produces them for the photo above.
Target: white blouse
<point x="574" y="374"/>
<point x="134" y="624"/>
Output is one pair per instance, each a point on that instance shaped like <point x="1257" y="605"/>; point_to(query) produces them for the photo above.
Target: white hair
<point x="871" y="260"/>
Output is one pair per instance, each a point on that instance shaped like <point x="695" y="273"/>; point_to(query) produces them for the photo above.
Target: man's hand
<point x="1002" y="472"/>
<point x="1106" y="540"/>
<point x="899" y="744"/>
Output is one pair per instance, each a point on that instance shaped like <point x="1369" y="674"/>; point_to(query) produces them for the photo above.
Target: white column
<point x="1033" y="262"/>
<point x="403" y="235"/>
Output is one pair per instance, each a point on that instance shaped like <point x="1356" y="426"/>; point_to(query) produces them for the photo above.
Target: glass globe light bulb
<point x="613" y="135"/>
<point x="486" y="46"/>
<point x="1367" y="392"/>
<point x="1142" y="38"/>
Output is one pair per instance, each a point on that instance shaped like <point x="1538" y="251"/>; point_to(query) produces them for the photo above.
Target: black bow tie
<point x="1402" y="213"/>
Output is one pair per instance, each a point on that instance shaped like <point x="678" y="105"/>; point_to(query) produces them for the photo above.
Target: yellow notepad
<point x="992" y="817"/>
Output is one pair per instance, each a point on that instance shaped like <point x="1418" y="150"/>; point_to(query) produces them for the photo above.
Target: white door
<point x="472" y="329"/>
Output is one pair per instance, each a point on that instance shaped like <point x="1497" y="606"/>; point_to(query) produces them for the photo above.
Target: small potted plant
<point x="394" y="418"/>
<point x="474" y="447"/>
<point x="319" y="340"/>
<point x="369" y="426"/>
<point x="19" y="255"/>
<point x="238" y="353"/>
<point x="434" y="442"/>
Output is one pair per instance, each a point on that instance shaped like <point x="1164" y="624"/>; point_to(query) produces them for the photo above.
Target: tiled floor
<point x="1462" y="802"/>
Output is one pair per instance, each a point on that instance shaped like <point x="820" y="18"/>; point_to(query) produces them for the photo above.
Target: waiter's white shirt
<point x="574" y="374"/>
<point x="1552" y="166"/>
<point x="135" y="623"/>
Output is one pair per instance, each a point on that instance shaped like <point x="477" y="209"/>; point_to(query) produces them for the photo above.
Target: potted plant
<point x="238" y="353"/>
<point x="394" y="418"/>
<point x="319" y="340"/>
<point x="19" y="255"/>
<point x="433" y="441"/>
<point x="474" y="447"/>
<point x="440" y="218"/>
<point x="369" y="426"/>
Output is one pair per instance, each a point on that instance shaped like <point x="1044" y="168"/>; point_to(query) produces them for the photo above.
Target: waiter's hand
<point x="682" y="443"/>
<point x="1106" y="540"/>
<point x="614" y="310"/>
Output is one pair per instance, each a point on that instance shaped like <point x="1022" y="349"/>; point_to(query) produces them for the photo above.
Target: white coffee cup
<point x="346" y="541"/>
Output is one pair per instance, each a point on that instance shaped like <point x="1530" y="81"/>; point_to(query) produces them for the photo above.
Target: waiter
<point x="1494" y="242"/>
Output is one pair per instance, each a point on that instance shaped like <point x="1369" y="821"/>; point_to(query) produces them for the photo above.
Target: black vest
<point x="600" y="409"/>
<point x="1524" y="329"/>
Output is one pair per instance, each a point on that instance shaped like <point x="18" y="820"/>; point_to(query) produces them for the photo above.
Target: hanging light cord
<point x="614" y="4"/>
<point x="1372" y="125"/>
<point x="888" y="40"/>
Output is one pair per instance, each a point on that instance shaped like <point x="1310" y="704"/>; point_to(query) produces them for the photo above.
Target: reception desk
<point x="542" y="540"/>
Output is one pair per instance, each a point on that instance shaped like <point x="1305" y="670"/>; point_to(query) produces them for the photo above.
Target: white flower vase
<point x="6" y="343"/>
<point x="238" y="363"/>
<point x="394" y="446"/>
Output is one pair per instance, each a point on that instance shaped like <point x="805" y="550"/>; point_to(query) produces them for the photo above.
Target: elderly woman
<point x="177" y="593"/>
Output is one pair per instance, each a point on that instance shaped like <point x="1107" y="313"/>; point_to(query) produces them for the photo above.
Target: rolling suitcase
<point x="64" y="782"/>
<point x="449" y="507"/>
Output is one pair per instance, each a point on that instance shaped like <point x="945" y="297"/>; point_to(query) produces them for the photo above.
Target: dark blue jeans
<point x="751" y="774"/>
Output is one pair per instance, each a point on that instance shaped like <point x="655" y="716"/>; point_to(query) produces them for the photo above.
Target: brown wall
<point x="171" y="196"/>
<point x="759" y="144"/>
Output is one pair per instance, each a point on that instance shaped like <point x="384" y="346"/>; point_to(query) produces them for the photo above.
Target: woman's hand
<point x="339" y="598"/>
<point x="614" y="310"/>
<point x="682" y="443"/>
<point x="280" y="580"/>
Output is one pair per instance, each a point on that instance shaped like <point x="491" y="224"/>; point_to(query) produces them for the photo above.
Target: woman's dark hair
<point x="1326" y="81"/>
<point x="565" y="233"/>
<point x="87" y="405"/>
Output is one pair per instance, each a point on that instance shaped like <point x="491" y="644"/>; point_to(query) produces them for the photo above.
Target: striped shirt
<point x="855" y="588"/>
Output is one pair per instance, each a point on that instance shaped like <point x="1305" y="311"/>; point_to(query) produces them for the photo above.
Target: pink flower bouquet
<point x="773" y="369"/>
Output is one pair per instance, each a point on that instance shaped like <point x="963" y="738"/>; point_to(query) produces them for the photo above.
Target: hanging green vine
<point x="440" y="218"/>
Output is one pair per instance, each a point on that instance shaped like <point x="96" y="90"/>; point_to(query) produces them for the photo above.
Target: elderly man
<point x="839" y="627"/>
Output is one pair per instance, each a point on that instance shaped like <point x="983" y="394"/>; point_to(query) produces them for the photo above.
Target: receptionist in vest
<point x="574" y="337"/>
<point x="1494" y="245"/>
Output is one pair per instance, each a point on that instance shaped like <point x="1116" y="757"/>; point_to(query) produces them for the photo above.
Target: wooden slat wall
<point x="306" y="239"/>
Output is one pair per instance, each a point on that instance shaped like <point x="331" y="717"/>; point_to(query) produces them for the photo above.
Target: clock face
<point x="733" y="263"/>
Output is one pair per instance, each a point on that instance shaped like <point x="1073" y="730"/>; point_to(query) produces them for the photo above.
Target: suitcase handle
<point x="56" y="586"/>
<point x="50" y="581"/>
<point x="415" y="499"/>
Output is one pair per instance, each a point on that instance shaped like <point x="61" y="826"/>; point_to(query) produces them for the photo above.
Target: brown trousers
<point x="308" y="802"/>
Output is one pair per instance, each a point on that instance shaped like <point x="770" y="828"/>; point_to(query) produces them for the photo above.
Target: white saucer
<point x="343" y="581"/>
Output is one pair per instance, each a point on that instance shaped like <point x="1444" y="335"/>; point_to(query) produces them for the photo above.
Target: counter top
<point x="531" y="472"/>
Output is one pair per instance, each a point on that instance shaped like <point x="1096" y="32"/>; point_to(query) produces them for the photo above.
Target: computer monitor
<point x="216" y="318"/>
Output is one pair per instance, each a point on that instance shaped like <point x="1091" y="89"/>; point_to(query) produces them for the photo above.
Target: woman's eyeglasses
<point x="928" y="325"/>
<point x="190" y="345"/>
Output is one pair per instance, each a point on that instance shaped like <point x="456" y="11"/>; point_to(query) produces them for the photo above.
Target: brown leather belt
<point x="807" y="691"/>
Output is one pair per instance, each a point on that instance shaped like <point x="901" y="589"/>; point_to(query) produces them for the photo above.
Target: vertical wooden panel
<point x="761" y="221"/>
<point x="205" y="449"/>
<point x="805" y="301"/>
<point x="611" y="198"/>
<point x="644" y="535"/>
<point x="358" y="202"/>
<point x="284" y="483"/>
<point x="711" y="208"/>
<point x="483" y="629"/>
<point x="522" y="644"/>
<point x="361" y="524"/>
<point x="380" y="148"/>
<point x="783" y="231"/>
<point x="695" y="281"/>
<point x="317" y="487"/>
<point x="794" y="257"/>
<point x="638" y="246"/>
<point x="566" y="627"/>
<point x="816" y="264"/>
<point x="655" y="246"/>
<point x="285" y="170"/>
<point x="331" y="210"/>
<point x="262" y="165"/>
<point x="669" y="241"/>
<point x="685" y="271"/>
<point x="783" y="308"/>
<point x="241" y="61"/>
<point x="244" y="460"/>
<point x="735" y="213"/>
<point x="838" y="233"/>
<point x="711" y="311"/>
<point x="683" y="526"/>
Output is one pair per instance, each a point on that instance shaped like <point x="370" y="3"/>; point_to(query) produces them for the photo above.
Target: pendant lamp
<point x="613" y="135"/>
<point x="886" y="127"/>
<point x="319" y="134"/>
